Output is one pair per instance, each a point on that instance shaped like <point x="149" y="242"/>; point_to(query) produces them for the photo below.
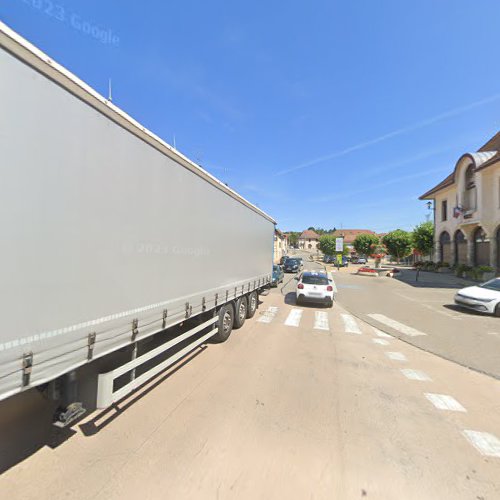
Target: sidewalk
<point x="433" y="280"/>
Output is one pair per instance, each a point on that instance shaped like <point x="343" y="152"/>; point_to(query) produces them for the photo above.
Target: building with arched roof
<point x="467" y="209"/>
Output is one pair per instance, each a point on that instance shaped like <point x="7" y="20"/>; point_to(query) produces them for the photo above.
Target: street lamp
<point x="430" y="209"/>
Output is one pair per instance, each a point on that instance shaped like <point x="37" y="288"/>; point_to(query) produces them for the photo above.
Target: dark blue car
<point x="278" y="275"/>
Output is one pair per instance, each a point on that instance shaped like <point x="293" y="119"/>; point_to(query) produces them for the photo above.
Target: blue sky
<point x="324" y="113"/>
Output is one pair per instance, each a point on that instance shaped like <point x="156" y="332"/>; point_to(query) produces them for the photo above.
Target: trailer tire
<point x="224" y="324"/>
<point x="240" y="309"/>
<point x="252" y="304"/>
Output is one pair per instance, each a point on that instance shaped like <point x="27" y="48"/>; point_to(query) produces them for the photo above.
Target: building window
<point x="444" y="210"/>
<point x="469" y="195"/>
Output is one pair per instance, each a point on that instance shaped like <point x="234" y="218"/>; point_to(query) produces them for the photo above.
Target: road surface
<point x="302" y="402"/>
<point x="426" y="310"/>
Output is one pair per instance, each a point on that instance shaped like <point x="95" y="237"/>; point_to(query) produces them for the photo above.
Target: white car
<point x="315" y="286"/>
<point x="482" y="298"/>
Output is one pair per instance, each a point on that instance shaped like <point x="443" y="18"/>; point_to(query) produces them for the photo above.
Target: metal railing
<point x="106" y="395"/>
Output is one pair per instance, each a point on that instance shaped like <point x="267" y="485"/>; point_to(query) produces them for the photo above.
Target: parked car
<point x="293" y="265"/>
<point x="315" y="286"/>
<point x="278" y="275"/>
<point x="483" y="298"/>
<point x="361" y="260"/>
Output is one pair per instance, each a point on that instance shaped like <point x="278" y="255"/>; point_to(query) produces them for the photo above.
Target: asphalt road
<point x="302" y="402"/>
<point x="468" y="338"/>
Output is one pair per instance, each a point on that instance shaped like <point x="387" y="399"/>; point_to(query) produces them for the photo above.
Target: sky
<point x="322" y="113"/>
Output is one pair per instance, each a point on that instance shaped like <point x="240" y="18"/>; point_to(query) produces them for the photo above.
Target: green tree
<point x="327" y="244"/>
<point x="293" y="238"/>
<point x="423" y="238"/>
<point x="364" y="243"/>
<point x="399" y="243"/>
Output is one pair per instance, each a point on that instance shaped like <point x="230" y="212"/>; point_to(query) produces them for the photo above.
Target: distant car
<point x="293" y="265"/>
<point x="483" y="298"/>
<point x="361" y="260"/>
<point x="315" y="286"/>
<point x="278" y="275"/>
<point x="327" y="259"/>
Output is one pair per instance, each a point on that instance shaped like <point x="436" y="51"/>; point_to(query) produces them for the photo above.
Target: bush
<point x="485" y="269"/>
<point x="463" y="269"/>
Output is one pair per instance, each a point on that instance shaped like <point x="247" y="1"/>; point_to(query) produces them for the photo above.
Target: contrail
<point x="373" y="187"/>
<point x="390" y="135"/>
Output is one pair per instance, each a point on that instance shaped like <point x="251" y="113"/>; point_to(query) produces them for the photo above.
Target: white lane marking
<point x="350" y="325"/>
<point x="493" y="333"/>
<point x="379" y="333"/>
<point x="484" y="442"/>
<point x="444" y="402"/>
<point x="396" y="356"/>
<point x="415" y="374"/>
<point x="400" y="327"/>
<point x="268" y="315"/>
<point x="380" y="341"/>
<point x="294" y="317"/>
<point x="321" y="320"/>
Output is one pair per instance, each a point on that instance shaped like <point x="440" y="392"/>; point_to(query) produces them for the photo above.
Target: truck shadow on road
<point x="26" y="427"/>
<point x="107" y="416"/>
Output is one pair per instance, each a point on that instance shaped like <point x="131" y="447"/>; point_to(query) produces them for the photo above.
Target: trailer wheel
<point x="253" y="302"/>
<point x="225" y="323"/>
<point x="241" y="312"/>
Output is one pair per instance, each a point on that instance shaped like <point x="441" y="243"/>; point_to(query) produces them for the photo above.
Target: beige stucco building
<point x="467" y="209"/>
<point x="280" y="245"/>
<point x="309" y="240"/>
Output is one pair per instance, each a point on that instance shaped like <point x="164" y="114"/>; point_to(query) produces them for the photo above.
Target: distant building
<point x="467" y="209"/>
<point x="350" y="235"/>
<point x="309" y="240"/>
<point x="280" y="245"/>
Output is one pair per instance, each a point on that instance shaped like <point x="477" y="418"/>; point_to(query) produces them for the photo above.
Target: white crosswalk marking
<point x="350" y="325"/>
<point x="268" y="315"/>
<point x="379" y="333"/>
<point x="486" y="443"/>
<point x="396" y="356"/>
<point x="294" y="317"/>
<point x="380" y="341"/>
<point x="400" y="327"/>
<point x="444" y="402"/>
<point x="321" y="320"/>
<point x="416" y="375"/>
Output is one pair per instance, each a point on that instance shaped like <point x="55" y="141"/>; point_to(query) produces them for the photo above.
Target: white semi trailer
<point x="119" y="255"/>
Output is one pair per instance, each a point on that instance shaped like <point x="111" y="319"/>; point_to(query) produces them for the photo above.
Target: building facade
<point x="280" y="245"/>
<point x="467" y="209"/>
<point x="309" y="240"/>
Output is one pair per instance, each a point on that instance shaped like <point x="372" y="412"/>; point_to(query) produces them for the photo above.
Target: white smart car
<point x="315" y="286"/>
<point x="482" y="298"/>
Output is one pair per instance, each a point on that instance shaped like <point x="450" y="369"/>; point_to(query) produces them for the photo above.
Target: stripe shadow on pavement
<point x="487" y="444"/>
<point x="396" y="325"/>
<point x="415" y="375"/>
<point x="444" y="402"/>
